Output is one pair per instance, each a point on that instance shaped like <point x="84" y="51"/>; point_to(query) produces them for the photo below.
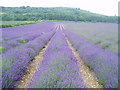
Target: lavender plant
<point x="104" y="35"/>
<point x="102" y="62"/>
<point x="27" y="42"/>
<point x="59" y="68"/>
<point x="19" y="41"/>
<point x="15" y="32"/>
<point x="15" y="61"/>
<point x="15" y="36"/>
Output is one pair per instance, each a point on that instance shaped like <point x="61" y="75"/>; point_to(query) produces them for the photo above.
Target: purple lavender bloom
<point x="15" y="61"/>
<point x="14" y="32"/>
<point x="59" y="68"/>
<point x="102" y="62"/>
<point x="15" y="36"/>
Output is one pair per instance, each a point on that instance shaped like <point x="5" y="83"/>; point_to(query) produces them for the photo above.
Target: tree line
<point x="27" y="13"/>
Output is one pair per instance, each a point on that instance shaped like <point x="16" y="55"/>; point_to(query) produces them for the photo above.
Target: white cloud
<point x="106" y="7"/>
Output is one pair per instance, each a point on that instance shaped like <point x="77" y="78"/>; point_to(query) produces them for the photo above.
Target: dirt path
<point x="32" y="68"/>
<point x="88" y="76"/>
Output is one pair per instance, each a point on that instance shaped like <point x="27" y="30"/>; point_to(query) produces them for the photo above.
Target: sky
<point x="105" y="7"/>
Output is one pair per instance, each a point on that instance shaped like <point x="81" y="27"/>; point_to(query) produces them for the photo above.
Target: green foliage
<point x="98" y="42"/>
<point x="4" y="25"/>
<point x="105" y="45"/>
<point x="72" y="86"/>
<point x="2" y="49"/>
<point x="118" y="82"/>
<point x="103" y="82"/>
<point x="118" y="41"/>
<point x="114" y="47"/>
<point x="23" y="41"/>
<point x="53" y="13"/>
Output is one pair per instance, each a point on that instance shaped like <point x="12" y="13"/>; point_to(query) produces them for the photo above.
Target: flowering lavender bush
<point x="19" y="41"/>
<point x="15" y="32"/>
<point x="27" y="43"/>
<point x="15" y="61"/>
<point x="104" y="35"/>
<point x="14" y="36"/>
<point x="102" y="62"/>
<point x="59" y="68"/>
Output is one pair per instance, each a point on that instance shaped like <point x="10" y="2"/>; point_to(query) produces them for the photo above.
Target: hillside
<point x="54" y="13"/>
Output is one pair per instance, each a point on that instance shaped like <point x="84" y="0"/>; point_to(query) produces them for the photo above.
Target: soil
<point x="32" y="68"/>
<point x="88" y="76"/>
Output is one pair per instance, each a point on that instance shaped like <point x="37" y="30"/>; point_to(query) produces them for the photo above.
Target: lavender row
<point x="14" y="36"/>
<point x="16" y="60"/>
<point x="102" y="62"/>
<point x="3" y="39"/>
<point x="14" y="32"/>
<point x="59" y="68"/>
<point x="19" y="41"/>
<point x="102" y="34"/>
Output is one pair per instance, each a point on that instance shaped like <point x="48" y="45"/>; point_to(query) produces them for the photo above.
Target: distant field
<point x="48" y="55"/>
<point x="11" y="21"/>
<point x="104" y="35"/>
<point x="5" y="24"/>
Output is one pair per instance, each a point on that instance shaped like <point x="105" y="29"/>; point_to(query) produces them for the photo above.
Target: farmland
<point x="101" y="34"/>
<point x="4" y="24"/>
<point x="59" y="55"/>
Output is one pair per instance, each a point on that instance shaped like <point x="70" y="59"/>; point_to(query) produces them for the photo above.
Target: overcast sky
<point x="106" y="7"/>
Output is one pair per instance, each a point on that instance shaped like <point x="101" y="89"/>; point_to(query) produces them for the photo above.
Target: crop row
<point x="102" y="34"/>
<point x="18" y="41"/>
<point x="59" y="68"/>
<point x="15" y="61"/>
<point x="102" y="62"/>
<point x="15" y="32"/>
<point x="14" y="24"/>
<point x="15" y="36"/>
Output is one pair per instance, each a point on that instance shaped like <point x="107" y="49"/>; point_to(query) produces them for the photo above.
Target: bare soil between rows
<point x="88" y="76"/>
<point x="32" y="68"/>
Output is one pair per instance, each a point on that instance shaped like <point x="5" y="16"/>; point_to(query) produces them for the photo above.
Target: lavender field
<point x="101" y="34"/>
<point x="59" y="55"/>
